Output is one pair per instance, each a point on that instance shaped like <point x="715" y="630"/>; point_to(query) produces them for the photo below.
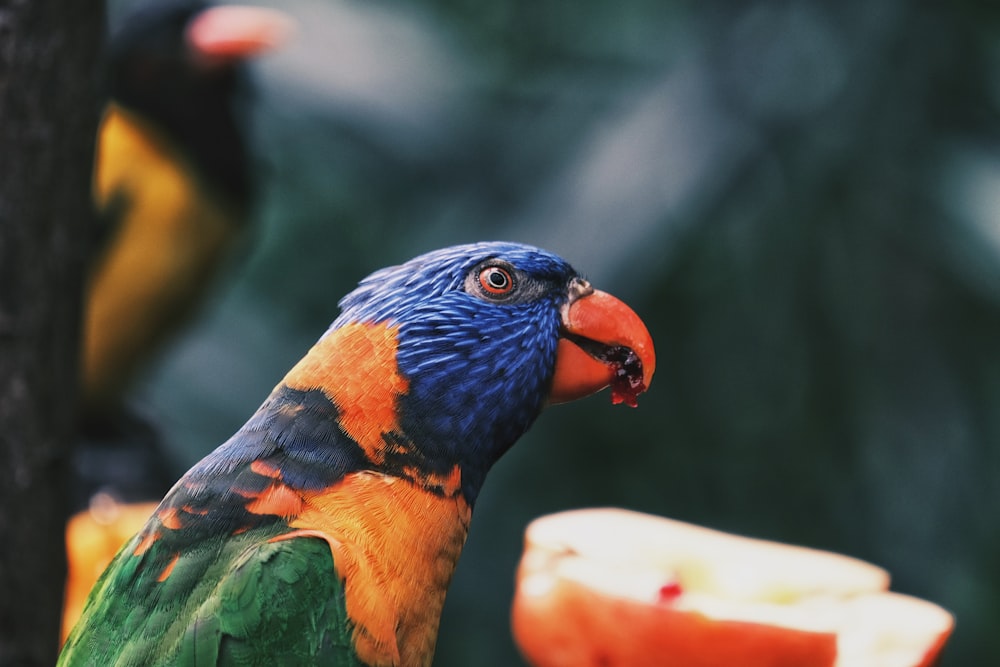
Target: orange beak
<point x="603" y="343"/>
<point x="230" y="33"/>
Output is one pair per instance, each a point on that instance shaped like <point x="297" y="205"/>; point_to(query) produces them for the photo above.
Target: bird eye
<point x="496" y="280"/>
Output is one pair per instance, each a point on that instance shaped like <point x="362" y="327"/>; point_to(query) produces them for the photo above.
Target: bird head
<point x="178" y="63"/>
<point x="488" y="334"/>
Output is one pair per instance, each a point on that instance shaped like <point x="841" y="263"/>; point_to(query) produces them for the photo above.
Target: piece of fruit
<point x="93" y="537"/>
<point x="614" y="588"/>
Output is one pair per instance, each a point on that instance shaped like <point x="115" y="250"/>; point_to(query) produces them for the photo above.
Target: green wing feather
<point x="261" y="603"/>
<point x="283" y="600"/>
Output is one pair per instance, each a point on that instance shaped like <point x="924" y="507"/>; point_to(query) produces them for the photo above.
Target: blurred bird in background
<point x="173" y="186"/>
<point x="371" y="451"/>
<point x="172" y="180"/>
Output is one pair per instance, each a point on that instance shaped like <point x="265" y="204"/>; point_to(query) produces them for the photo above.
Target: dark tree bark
<point x="48" y="119"/>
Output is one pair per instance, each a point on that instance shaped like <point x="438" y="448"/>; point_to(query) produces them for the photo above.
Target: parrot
<point x="325" y="531"/>
<point x="172" y="177"/>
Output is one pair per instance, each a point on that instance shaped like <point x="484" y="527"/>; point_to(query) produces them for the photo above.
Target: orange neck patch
<point x="395" y="545"/>
<point x="355" y="367"/>
<point x="395" y="540"/>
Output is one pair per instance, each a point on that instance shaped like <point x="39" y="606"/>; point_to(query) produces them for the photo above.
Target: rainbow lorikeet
<point x="326" y="530"/>
<point x="172" y="177"/>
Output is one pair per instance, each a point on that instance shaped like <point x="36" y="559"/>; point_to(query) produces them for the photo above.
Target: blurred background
<point x="801" y="199"/>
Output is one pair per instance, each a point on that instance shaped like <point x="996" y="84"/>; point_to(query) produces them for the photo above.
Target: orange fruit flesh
<point x="93" y="537"/>
<point x="611" y="587"/>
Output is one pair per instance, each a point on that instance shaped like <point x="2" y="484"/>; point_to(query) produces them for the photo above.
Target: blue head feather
<point x="479" y="370"/>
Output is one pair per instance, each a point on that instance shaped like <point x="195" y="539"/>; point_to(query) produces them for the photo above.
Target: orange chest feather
<point x="396" y="546"/>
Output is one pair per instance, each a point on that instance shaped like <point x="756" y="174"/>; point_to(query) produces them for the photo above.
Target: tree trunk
<point x="48" y="120"/>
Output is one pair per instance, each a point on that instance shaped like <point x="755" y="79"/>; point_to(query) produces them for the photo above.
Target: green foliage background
<point x="801" y="199"/>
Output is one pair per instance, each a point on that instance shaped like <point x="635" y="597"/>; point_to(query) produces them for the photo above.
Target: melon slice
<point x="614" y="588"/>
<point x="93" y="537"/>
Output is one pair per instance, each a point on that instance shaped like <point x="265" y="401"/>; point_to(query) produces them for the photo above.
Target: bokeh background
<point x="801" y="199"/>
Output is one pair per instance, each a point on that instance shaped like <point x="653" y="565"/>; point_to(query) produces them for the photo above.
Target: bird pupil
<point x="497" y="279"/>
